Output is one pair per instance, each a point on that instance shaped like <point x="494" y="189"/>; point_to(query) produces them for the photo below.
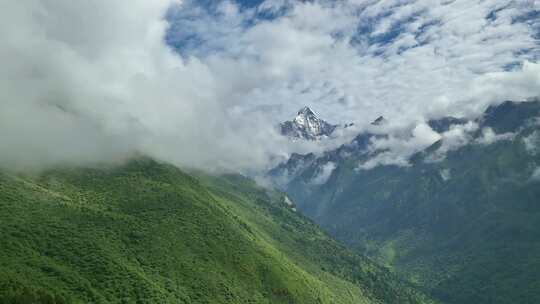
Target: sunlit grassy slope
<point x="147" y="232"/>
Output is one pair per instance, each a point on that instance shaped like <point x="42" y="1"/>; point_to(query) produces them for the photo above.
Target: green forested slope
<point x="465" y="228"/>
<point x="474" y="238"/>
<point x="149" y="233"/>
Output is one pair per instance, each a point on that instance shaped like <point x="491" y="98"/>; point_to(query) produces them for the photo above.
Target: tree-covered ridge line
<point x="146" y="232"/>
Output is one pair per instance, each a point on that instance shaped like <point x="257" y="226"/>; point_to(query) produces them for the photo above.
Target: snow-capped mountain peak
<point x="306" y="125"/>
<point x="306" y="112"/>
<point x="379" y="121"/>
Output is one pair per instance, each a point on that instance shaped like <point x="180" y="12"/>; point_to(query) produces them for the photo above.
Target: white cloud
<point x="447" y="59"/>
<point x="72" y="87"/>
<point x="324" y="173"/>
<point x="445" y="174"/>
<point x="532" y="142"/>
<point x="92" y="82"/>
<point x="456" y="137"/>
<point x="384" y="159"/>
<point x="397" y="147"/>
<point x="83" y="82"/>
<point x="536" y="174"/>
<point x="489" y="137"/>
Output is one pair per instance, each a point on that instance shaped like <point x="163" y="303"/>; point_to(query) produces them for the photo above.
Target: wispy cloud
<point x="532" y="142"/>
<point x="324" y="173"/>
<point x="489" y="136"/>
<point x="399" y="144"/>
<point x="456" y="137"/>
<point x="536" y="174"/>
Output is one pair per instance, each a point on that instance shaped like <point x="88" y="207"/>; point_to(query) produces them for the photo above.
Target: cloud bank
<point x="399" y="145"/>
<point x="90" y="82"/>
<point x="489" y="137"/>
<point x="356" y="60"/>
<point x="203" y="85"/>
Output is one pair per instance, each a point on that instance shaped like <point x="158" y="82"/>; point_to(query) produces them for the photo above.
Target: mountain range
<point x="457" y="223"/>
<point x="460" y="219"/>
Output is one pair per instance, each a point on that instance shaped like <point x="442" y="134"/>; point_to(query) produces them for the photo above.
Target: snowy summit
<point x="306" y="125"/>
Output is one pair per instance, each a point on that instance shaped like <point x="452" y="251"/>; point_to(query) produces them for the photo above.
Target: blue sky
<point x="365" y="27"/>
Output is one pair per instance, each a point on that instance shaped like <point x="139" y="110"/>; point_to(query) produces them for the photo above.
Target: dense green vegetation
<point x="466" y="229"/>
<point x="146" y="232"/>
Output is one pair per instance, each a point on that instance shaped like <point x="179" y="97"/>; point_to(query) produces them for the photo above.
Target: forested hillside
<point x="464" y="225"/>
<point x="148" y="233"/>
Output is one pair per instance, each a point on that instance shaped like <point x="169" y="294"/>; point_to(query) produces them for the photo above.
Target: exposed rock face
<point x="307" y="126"/>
